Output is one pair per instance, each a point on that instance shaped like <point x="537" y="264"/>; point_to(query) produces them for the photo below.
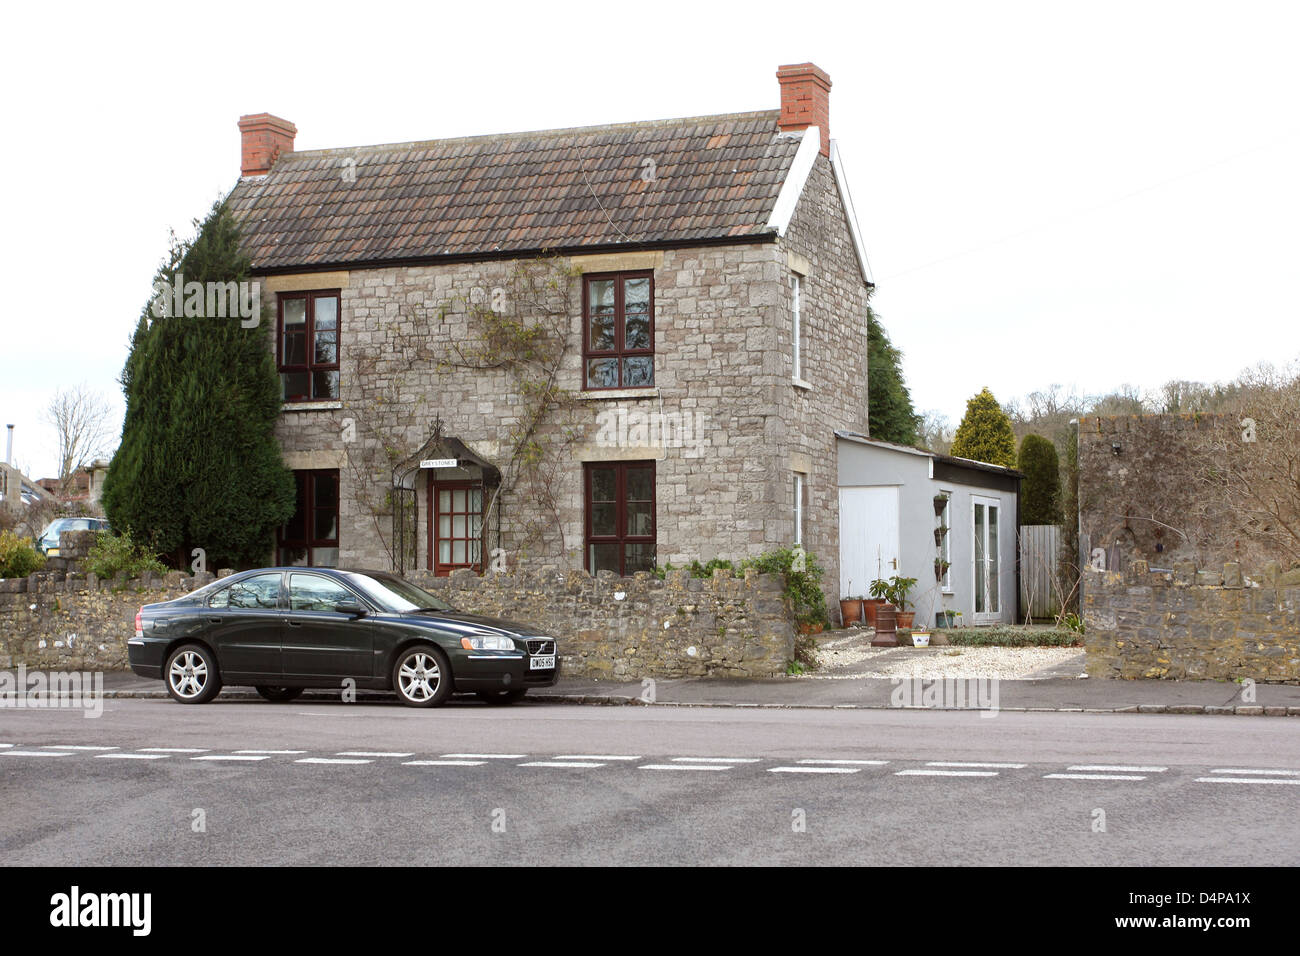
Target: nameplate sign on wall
<point x="439" y="463"/>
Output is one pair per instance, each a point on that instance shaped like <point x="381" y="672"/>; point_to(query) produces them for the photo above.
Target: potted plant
<point x="920" y="638"/>
<point x="879" y="596"/>
<point x="850" y="609"/>
<point x="939" y="532"/>
<point x="898" y="590"/>
<point x="946" y="618"/>
<point x="940" y="568"/>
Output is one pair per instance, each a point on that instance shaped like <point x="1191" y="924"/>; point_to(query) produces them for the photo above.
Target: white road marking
<point x="485" y="756"/>
<point x="76" y="747"/>
<point x="594" y="757"/>
<point x="229" y="757"/>
<point x="6" y="745"/>
<point x="985" y="766"/>
<point x="1256" y="773"/>
<point x="814" y="769"/>
<point x="330" y="760"/>
<point x="370" y="753"/>
<point x="715" y="759"/>
<point x="684" y="766"/>
<point x="37" y="753"/>
<point x="1115" y="768"/>
<point x="173" y="750"/>
<point x="273" y="753"/>
<point x="852" y="763"/>
<point x="562" y="763"/>
<point x="945" y="773"/>
<point x="1091" y="776"/>
<point x="132" y="756"/>
<point x="1289" y="780"/>
<point x="443" y="763"/>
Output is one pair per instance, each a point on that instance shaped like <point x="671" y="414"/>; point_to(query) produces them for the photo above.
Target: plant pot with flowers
<point x="899" y="588"/>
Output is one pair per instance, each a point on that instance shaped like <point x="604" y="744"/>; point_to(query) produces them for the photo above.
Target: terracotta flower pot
<point x="869" y="609"/>
<point x="905" y="618"/>
<point x="850" y="611"/>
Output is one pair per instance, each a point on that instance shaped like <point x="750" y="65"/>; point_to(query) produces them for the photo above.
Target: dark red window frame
<point x="311" y="366"/>
<point x="619" y="352"/>
<point x="621" y="537"/>
<point x="441" y="568"/>
<point x="308" y="504"/>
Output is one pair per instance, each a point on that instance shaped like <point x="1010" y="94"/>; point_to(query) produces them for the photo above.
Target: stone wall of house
<point x="1135" y="497"/>
<point x="722" y="365"/>
<point x="607" y="626"/>
<point x="1186" y="624"/>
<point x="833" y="322"/>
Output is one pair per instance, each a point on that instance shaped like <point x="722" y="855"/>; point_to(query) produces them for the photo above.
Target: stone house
<point x="606" y="348"/>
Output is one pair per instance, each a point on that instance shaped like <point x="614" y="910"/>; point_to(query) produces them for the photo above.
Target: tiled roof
<point x="667" y="181"/>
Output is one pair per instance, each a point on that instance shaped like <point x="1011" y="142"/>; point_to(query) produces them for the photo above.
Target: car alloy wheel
<point x="421" y="677"/>
<point x="192" y="676"/>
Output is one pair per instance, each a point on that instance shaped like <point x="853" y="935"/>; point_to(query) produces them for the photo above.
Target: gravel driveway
<point x="845" y="655"/>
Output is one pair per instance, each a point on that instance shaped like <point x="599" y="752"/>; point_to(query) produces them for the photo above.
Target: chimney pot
<point x="806" y="100"/>
<point x="265" y="138"/>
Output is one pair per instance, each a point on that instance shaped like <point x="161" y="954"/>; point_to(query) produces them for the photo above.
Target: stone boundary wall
<point x="1187" y="624"/>
<point x="607" y="626"/>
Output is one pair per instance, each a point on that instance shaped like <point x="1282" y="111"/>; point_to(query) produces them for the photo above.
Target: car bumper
<point x="145" y="657"/>
<point x="476" y="672"/>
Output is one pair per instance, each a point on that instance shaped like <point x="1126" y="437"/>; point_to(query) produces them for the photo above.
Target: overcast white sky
<point x="1085" y="193"/>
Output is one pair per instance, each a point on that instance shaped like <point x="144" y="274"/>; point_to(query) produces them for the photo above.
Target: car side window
<point x="262" y="592"/>
<point x="312" y="592"/>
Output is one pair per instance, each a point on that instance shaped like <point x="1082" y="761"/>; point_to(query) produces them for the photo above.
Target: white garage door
<point x="868" y="537"/>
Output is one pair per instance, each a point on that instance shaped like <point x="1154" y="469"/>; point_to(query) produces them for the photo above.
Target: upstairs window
<point x="618" y="330"/>
<point x="796" y="304"/>
<point x="309" y="346"/>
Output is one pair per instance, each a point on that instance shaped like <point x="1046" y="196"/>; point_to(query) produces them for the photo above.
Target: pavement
<point x="1046" y="694"/>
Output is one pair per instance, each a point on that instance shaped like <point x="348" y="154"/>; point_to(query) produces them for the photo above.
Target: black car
<point x="281" y="630"/>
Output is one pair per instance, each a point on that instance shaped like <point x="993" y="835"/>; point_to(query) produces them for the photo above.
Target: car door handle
<point x="293" y="623"/>
<point x="214" y="620"/>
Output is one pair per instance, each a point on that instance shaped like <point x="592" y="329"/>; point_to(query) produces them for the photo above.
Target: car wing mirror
<point x="350" y="607"/>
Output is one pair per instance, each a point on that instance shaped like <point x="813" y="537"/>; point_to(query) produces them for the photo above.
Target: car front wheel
<point x="192" y="676"/>
<point x="279" y="695"/>
<point x="421" y="676"/>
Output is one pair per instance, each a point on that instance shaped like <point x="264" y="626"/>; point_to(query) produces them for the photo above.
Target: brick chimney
<point x="265" y="137"/>
<point x="806" y="100"/>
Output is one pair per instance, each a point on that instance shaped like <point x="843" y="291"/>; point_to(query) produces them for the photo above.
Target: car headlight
<point x="487" y="642"/>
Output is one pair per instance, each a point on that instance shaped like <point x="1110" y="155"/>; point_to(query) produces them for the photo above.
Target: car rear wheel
<point x="279" y="695"/>
<point x="502" y="696"/>
<point x="192" y="676"/>
<point x="421" y="676"/>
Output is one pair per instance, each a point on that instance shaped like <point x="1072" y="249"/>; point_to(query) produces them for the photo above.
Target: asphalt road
<point x="376" y="783"/>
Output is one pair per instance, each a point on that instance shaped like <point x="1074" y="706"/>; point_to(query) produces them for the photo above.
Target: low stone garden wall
<point x="1192" y="625"/>
<point x="607" y="626"/>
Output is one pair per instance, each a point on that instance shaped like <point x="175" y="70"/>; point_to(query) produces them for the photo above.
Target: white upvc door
<point x="986" y="515"/>
<point x="868" y="537"/>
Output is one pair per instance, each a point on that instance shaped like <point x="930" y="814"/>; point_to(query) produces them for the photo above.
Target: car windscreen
<point x="394" y="594"/>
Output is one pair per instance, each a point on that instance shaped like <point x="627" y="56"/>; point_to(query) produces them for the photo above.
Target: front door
<point x="985" y="515"/>
<point x="868" y="537"/>
<point x="320" y="641"/>
<point x="455" y="526"/>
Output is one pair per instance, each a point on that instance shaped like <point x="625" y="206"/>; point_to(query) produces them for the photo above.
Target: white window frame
<point x="796" y="305"/>
<point x="798" y="508"/>
<point x="945" y="543"/>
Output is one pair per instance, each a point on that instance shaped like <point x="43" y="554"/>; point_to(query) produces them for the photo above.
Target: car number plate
<point x="546" y="663"/>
